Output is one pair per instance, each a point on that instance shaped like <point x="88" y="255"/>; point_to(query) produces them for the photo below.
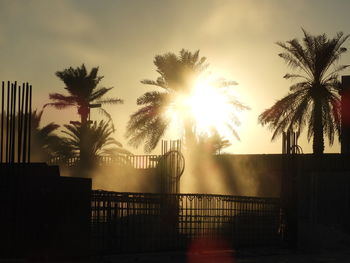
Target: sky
<point x="40" y="37"/>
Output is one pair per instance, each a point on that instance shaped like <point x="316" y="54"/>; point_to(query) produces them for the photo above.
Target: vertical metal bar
<point x="7" y="121"/>
<point x="2" y="121"/>
<point x="10" y="124"/>
<point x="22" y="117"/>
<point x="13" y="146"/>
<point x="19" y="126"/>
<point x="25" y="125"/>
<point x="30" y="122"/>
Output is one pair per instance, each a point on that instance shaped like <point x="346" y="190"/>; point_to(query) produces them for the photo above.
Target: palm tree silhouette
<point x="89" y="143"/>
<point x="43" y="140"/>
<point x="177" y="77"/>
<point x="215" y="142"/>
<point x="314" y="100"/>
<point x="177" y="74"/>
<point x="83" y="92"/>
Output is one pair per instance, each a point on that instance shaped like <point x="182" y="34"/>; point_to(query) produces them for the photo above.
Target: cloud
<point x="60" y="18"/>
<point x="232" y="16"/>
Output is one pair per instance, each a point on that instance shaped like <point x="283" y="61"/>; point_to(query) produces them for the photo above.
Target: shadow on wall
<point x="247" y="175"/>
<point x="121" y="178"/>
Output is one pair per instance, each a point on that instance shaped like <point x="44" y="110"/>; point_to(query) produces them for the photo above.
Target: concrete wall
<point x="43" y="214"/>
<point x="323" y="202"/>
<point x="248" y="175"/>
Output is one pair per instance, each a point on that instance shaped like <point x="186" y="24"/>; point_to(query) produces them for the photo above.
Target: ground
<point x="248" y="256"/>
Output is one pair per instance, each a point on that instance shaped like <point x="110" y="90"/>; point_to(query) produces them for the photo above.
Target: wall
<point x="43" y="215"/>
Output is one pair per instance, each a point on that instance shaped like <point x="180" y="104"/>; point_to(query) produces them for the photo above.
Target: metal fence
<point x="135" y="161"/>
<point x="135" y="222"/>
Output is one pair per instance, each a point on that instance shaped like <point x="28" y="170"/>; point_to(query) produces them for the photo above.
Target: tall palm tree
<point x="83" y="92"/>
<point x="177" y="78"/>
<point x="177" y="74"/>
<point x="314" y="100"/>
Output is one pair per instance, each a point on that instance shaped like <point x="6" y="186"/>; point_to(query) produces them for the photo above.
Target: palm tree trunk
<point x="84" y="114"/>
<point x="190" y="139"/>
<point x="318" y="140"/>
<point x="84" y="158"/>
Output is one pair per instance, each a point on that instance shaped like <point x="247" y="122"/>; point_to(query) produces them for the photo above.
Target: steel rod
<point x="2" y="121"/>
<point x="11" y="121"/>
<point x="30" y="122"/>
<point x="7" y="121"/>
<point x="14" y="122"/>
<point x="24" y="160"/>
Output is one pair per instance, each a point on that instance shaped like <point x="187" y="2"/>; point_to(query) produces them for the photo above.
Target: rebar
<point x="16" y="110"/>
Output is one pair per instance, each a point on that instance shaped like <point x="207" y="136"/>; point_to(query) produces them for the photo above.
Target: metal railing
<point x="134" y="222"/>
<point x="135" y="161"/>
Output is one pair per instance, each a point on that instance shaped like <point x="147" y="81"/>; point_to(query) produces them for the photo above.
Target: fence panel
<point x="135" y="161"/>
<point x="135" y="222"/>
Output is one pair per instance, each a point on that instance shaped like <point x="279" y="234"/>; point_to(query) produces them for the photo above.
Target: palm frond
<point x="59" y="105"/>
<point x="103" y="112"/>
<point x="98" y="93"/>
<point x="319" y="88"/>
<point x="111" y="101"/>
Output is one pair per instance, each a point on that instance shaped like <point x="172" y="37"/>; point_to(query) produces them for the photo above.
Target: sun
<point x="210" y="105"/>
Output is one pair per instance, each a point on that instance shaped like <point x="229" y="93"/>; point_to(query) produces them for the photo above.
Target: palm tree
<point x="219" y="143"/>
<point x="83" y="92"/>
<point x="314" y="100"/>
<point x="43" y="140"/>
<point x="215" y="143"/>
<point x="89" y="143"/>
<point x="95" y="138"/>
<point x="177" y="74"/>
<point x="177" y="78"/>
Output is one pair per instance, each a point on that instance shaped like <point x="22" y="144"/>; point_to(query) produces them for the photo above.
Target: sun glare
<point x="209" y="105"/>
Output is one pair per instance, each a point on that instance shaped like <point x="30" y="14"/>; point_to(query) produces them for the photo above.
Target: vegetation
<point x="314" y="100"/>
<point x="88" y="143"/>
<point x="83" y="92"/>
<point x="44" y="142"/>
<point x="214" y="143"/>
<point x="178" y="76"/>
<point x="97" y="142"/>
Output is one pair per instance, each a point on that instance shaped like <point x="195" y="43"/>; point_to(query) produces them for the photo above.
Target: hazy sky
<point x="37" y="38"/>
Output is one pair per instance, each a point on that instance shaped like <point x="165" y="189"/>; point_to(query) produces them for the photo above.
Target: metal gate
<point x="135" y="222"/>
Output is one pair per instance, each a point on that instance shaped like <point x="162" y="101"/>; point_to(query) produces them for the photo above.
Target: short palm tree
<point x="83" y="92"/>
<point x="178" y="75"/>
<point x="43" y="139"/>
<point x="215" y="142"/>
<point x="93" y="140"/>
<point x="314" y="100"/>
